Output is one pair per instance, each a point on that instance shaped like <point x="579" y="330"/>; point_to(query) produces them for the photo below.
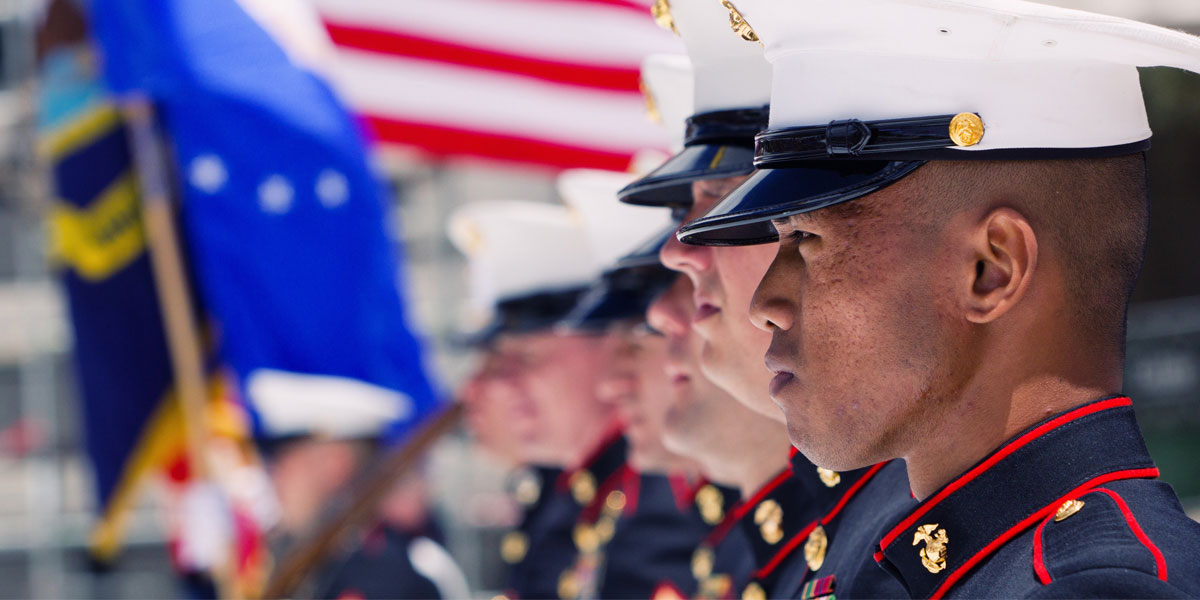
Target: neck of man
<point x="1017" y="383"/>
<point x="761" y="452"/>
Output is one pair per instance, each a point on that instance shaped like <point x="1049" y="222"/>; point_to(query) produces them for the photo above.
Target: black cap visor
<point x="671" y="183"/>
<point x="743" y="218"/>
<point x="623" y="295"/>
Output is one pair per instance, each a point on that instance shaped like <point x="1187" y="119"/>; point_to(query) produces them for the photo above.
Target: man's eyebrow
<point x="804" y="218"/>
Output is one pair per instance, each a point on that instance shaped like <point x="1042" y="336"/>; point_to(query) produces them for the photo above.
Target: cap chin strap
<point x="852" y="138"/>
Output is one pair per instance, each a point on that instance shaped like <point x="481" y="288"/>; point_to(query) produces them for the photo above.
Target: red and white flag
<point x="547" y="82"/>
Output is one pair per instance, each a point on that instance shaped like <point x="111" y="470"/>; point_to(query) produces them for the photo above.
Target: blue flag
<point x="283" y="218"/>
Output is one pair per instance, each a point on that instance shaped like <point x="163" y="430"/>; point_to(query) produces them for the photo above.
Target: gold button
<point x="966" y="129"/>
<point x="814" y="548"/>
<point x="711" y="504"/>
<point x="716" y="586"/>
<point x="513" y="547"/>
<point x="769" y="518"/>
<point x="933" y="554"/>
<point x="568" y="586"/>
<point x="702" y="562"/>
<point x="1067" y="509"/>
<point x="661" y="11"/>
<point x="738" y="23"/>
<point x="583" y="487"/>
<point x="754" y="591"/>
<point x="605" y="528"/>
<point x="615" y="501"/>
<point x="829" y="477"/>
<point x="528" y="489"/>
<point x="586" y="538"/>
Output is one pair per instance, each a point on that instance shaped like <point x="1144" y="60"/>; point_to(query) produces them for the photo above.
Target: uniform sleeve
<point x="1109" y="583"/>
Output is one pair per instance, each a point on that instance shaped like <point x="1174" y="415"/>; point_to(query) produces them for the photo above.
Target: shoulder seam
<point x="1160" y="566"/>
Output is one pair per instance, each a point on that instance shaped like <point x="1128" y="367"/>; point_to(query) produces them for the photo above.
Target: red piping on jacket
<point x="1003" y="453"/>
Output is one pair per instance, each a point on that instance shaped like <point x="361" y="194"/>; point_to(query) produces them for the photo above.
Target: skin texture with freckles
<point x="724" y="280"/>
<point x="939" y="317"/>
<point x="634" y="381"/>
<point x="554" y="377"/>
<point x="734" y="445"/>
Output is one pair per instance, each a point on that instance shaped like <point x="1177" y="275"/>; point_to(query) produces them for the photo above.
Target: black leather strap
<point x="851" y="138"/>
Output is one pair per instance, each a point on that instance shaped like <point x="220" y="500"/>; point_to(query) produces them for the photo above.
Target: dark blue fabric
<point x="1083" y="551"/>
<point x="852" y="535"/>
<point x="547" y="525"/>
<point x="379" y="569"/>
<point x="310" y="285"/>
<point x="653" y="545"/>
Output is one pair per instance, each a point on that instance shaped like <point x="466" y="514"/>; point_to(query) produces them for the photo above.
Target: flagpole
<point x="174" y="294"/>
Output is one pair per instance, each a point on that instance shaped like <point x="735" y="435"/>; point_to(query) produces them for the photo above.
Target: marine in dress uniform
<point x="528" y="268"/>
<point x="636" y="539"/>
<point x="315" y="445"/>
<point x="797" y="522"/>
<point x="1031" y="83"/>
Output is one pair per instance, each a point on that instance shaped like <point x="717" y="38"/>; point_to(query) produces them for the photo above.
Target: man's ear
<point x="1006" y="252"/>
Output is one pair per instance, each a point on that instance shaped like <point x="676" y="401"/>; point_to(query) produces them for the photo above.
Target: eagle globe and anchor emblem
<point x="933" y="554"/>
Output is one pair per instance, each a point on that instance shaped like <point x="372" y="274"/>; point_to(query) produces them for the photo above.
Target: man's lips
<point x="782" y="370"/>
<point x="704" y="311"/>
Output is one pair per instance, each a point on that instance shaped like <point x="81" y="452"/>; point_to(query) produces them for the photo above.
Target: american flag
<point x="548" y="82"/>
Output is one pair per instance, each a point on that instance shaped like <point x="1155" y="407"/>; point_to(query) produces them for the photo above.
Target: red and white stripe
<point x="550" y="82"/>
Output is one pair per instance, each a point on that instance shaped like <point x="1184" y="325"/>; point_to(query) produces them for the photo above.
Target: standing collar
<point x="1020" y="483"/>
<point x="598" y="470"/>
<point x="824" y="487"/>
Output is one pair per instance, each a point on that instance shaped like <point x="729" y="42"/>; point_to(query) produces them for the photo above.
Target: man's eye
<point x="800" y="236"/>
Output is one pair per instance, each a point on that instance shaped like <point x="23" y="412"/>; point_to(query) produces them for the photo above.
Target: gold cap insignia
<point x="652" y="111"/>
<point x="814" y="548"/>
<point x="702" y="562"/>
<point x="1067" y="509"/>
<point x="583" y="487"/>
<point x="568" y="585"/>
<point x="711" y="504"/>
<point x="966" y="129"/>
<point x="662" y="15"/>
<point x="769" y="518"/>
<point x="738" y="23"/>
<point x="587" y="540"/>
<point x="933" y="554"/>
<point x="754" y="591"/>
<point x="513" y="547"/>
<point x="829" y="477"/>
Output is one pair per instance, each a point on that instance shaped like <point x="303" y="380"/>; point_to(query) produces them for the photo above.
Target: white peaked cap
<point x="517" y="248"/>
<point x="728" y="73"/>
<point x="667" y="84"/>
<point x="1038" y="76"/>
<point x="612" y="229"/>
<point x="326" y="406"/>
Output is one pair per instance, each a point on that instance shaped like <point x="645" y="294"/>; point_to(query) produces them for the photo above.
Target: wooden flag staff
<point x="174" y="296"/>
